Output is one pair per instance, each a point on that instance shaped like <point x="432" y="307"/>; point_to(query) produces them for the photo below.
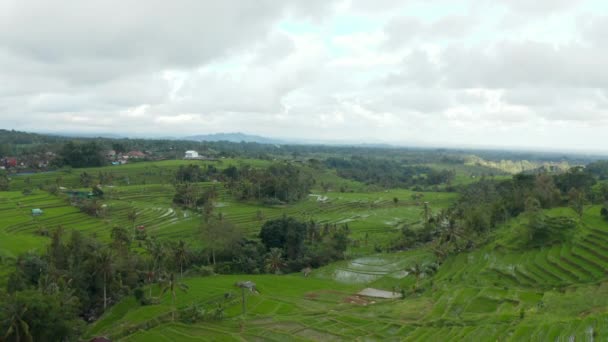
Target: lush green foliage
<point x="509" y="258"/>
<point x="80" y="155"/>
<point x="388" y="173"/>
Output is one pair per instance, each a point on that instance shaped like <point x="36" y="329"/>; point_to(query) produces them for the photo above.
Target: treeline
<point x="276" y="184"/>
<point x="25" y="145"/>
<point x="484" y="205"/>
<point x="279" y="183"/>
<point x="78" y="155"/>
<point x="51" y="296"/>
<point x="388" y="173"/>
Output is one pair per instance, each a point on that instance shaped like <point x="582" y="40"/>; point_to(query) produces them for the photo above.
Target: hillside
<point x="559" y="293"/>
<point x="449" y="284"/>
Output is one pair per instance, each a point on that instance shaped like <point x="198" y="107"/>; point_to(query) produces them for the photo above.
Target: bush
<point x="192" y="314"/>
<point x="140" y="295"/>
<point x="201" y="271"/>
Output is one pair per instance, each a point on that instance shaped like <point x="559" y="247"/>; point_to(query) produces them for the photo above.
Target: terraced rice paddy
<point x="557" y="293"/>
<point x="501" y="291"/>
<point x="371" y="216"/>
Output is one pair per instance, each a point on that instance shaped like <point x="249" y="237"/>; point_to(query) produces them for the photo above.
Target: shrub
<point x="139" y="294"/>
<point x="192" y="314"/>
<point x="202" y="271"/>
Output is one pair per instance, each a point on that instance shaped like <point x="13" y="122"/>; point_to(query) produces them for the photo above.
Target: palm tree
<point x="181" y="256"/>
<point x="426" y="212"/>
<point x="17" y="326"/>
<point x="156" y="251"/>
<point x="105" y="265"/>
<point x="418" y="271"/>
<point x="121" y="239"/>
<point x="274" y="261"/>
<point x="132" y="216"/>
<point x="171" y="285"/>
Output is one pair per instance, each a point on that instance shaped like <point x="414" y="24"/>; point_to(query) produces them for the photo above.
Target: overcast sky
<point x="514" y="73"/>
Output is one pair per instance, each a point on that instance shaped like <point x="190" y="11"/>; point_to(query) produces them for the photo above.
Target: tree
<point x="4" y="181"/>
<point x="97" y="192"/>
<point x="219" y="234"/>
<point x="171" y="285"/>
<point x="132" y="216"/>
<point x="13" y="316"/>
<point x="156" y="251"/>
<point x="286" y="233"/>
<point x="426" y="212"/>
<point x="274" y="261"/>
<point x="538" y="231"/>
<point x="545" y="190"/>
<point x="85" y="179"/>
<point x="604" y="212"/>
<point x="208" y="208"/>
<point x="576" y="200"/>
<point x="79" y="155"/>
<point x="577" y="178"/>
<point x="31" y="315"/>
<point x="186" y="195"/>
<point x="121" y="239"/>
<point x="105" y="266"/>
<point x="119" y="148"/>
<point x="181" y="256"/>
<point x="418" y="271"/>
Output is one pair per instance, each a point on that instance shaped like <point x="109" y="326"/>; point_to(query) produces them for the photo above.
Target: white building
<point x="191" y="155"/>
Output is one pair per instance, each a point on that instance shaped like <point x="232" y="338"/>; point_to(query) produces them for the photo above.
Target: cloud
<point x="538" y="7"/>
<point x="525" y="63"/>
<point x="429" y="72"/>
<point x="403" y="29"/>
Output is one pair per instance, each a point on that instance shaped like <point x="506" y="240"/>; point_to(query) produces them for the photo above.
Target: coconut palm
<point x="156" y="251"/>
<point x="274" y="261"/>
<point x="418" y="271"/>
<point x="181" y="256"/>
<point x="171" y="285"/>
<point x="18" y="329"/>
<point x="105" y="265"/>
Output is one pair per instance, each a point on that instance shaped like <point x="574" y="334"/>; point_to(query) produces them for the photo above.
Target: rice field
<point x="556" y="293"/>
<point x="501" y="291"/>
<point x="373" y="217"/>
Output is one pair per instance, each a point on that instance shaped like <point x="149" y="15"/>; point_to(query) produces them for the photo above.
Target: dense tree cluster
<point x="76" y="155"/>
<point x="50" y="296"/>
<point x="598" y="169"/>
<point x="388" y="173"/>
<point x="484" y="205"/>
<point x="279" y="183"/>
<point x="300" y="244"/>
<point x="194" y="173"/>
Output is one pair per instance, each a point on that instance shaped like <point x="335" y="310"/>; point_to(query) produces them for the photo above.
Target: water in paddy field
<point x="346" y="276"/>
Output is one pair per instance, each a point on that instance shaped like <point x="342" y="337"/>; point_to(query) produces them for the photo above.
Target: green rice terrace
<point x="418" y="264"/>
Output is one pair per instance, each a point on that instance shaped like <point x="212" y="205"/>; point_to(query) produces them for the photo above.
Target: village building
<point x="191" y="155"/>
<point x="136" y="154"/>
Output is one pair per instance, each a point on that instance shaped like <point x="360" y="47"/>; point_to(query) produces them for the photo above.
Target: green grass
<point x="505" y="290"/>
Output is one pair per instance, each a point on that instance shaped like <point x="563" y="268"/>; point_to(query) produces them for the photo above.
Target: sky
<point x="484" y="73"/>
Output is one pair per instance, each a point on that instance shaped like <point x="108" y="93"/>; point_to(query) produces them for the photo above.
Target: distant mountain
<point x="234" y="137"/>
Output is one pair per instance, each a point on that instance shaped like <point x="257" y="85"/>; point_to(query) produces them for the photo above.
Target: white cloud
<point x="436" y="72"/>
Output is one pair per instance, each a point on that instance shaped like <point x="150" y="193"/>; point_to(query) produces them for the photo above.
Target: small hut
<point x="37" y="212"/>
